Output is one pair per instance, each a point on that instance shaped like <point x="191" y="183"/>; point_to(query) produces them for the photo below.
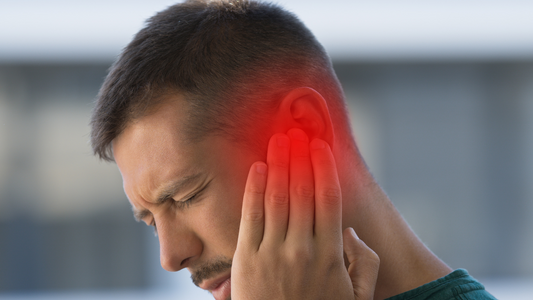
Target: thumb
<point x="364" y="265"/>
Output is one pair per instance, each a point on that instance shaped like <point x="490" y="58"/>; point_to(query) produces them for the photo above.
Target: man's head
<point x="190" y="105"/>
<point x="232" y="61"/>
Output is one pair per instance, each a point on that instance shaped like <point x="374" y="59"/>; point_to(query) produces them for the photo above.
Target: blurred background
<point x="441" y="97"/>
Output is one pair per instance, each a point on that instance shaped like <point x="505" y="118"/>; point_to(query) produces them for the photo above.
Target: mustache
<point x="209" y="270"/>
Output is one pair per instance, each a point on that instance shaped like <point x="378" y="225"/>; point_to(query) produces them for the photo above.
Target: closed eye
<point x="183" y="204"/>
<point x="187" y="203"/>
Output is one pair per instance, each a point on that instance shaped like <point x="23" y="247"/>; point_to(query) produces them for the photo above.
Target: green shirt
<point x="457" y="285"/>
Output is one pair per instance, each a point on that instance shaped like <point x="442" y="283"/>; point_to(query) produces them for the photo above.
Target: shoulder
<point x="457" y="285"/>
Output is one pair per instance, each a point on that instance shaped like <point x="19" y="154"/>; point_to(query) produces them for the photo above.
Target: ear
<point x="306" y="109"/>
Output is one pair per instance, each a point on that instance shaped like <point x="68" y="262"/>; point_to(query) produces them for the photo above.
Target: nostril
<point x="184" y="262"/>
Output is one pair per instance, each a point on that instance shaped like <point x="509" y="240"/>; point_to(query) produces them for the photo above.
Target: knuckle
<point x="369" y="254"/>
<point x="305" y="191"/>
<point x="330" y="195"/>
<point x="369" y="263"/>
<point x="255" y="190"/>
<point x="331" y="260"/>
<point x="300" y="255"/>
<point x="253" y="216"/>
<point x="281" y="164"/>
<point x="374" y="258"/>
<point x="278" y="198"/>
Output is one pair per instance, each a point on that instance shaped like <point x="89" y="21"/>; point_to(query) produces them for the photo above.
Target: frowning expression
<point x="191" y="193"/>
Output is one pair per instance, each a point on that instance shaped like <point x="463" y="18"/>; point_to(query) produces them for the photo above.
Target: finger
<point x="364" y="265"/>
<point x="302" y="192"/>
<point x="328" y="199"/>
<point x="252" y="218"/>
<point x="277" y="189"/>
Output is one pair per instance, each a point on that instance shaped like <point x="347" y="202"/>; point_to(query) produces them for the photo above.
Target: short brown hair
<point x="233" y="60"/>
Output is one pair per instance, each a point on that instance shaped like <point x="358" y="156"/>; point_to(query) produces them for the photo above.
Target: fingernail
<point x="283" y="141"/>
<point x="261" y="168"/>
<point x="298" y="135"/>
<point x="318" y="144"/>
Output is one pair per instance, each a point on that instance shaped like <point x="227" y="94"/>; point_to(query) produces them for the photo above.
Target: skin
<point x="290" y="238"/>
<point x="203" y="235"/>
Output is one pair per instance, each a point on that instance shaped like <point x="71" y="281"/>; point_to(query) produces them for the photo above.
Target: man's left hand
<point x="290" y="243"/>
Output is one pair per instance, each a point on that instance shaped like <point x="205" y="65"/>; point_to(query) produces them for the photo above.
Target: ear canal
<point x="307" y="116"/>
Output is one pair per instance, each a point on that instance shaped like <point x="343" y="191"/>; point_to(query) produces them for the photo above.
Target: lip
<point x="223" y="290"/>
<point x="212" y="284"/>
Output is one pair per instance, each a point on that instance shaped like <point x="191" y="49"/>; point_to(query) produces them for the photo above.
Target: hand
<point x="290" y="243"/>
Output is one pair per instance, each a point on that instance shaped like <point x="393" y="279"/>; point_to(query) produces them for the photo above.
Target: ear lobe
<point x="306" y="109"/>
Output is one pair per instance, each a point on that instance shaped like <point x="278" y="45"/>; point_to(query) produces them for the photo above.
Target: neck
<point x="405" y="262"/>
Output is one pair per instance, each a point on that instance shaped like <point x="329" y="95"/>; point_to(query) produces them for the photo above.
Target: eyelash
<point x="154" y="226"/>
<point x="187" y="203"/>
<point x="181" y="204"/>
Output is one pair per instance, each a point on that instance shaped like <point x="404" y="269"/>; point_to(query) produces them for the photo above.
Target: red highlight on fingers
<point x="298" y="135"/>
<point x="261" y="168"/>
<point x="292" y="198"/>
<point x="302" y="189"/>
<point x="317" y="144"/>
<point x="282" y="141"/>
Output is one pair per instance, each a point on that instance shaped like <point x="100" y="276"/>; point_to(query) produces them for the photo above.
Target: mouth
<point x="220" y="287"/>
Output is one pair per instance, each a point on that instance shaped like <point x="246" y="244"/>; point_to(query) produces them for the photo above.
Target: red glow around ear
<point x="302" y="108"/>
<point x="300" y="169"/>
<point x="306" y="109"/>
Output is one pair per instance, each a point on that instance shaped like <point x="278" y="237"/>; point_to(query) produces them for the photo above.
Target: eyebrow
<point x="167" y="192"/>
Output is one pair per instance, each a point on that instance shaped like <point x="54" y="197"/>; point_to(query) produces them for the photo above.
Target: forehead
<point x="161" y="129"/>
<point x="153" y="148"/>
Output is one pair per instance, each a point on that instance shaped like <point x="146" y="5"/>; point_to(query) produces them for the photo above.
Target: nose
<point x="178" y="245"/>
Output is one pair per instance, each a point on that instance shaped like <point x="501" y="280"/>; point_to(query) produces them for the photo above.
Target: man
<point x="204" y="95"/>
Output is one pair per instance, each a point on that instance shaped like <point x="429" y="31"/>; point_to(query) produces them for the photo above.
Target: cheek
<point x="220" y="219"/>
<point x="230" y="171"/>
